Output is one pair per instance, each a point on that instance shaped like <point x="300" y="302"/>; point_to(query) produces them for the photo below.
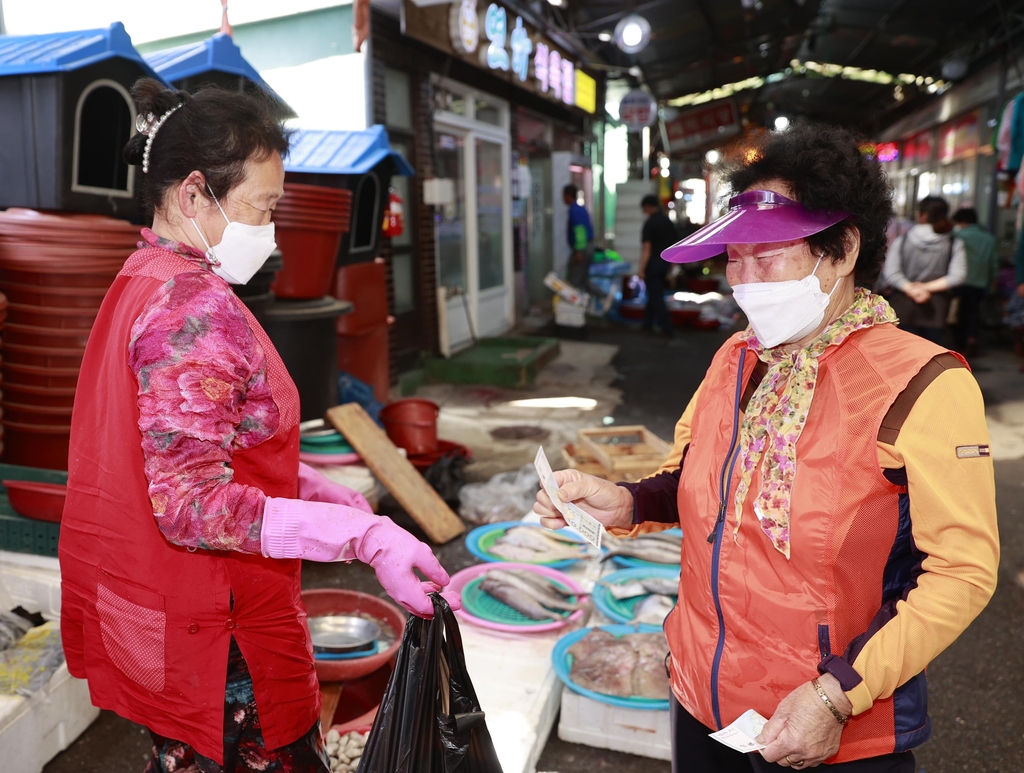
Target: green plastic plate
<point x="483" y="605"/>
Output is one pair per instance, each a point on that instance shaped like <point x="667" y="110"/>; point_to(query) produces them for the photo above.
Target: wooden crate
<point x="578" y="459"/>
<point x="633" y="450"/>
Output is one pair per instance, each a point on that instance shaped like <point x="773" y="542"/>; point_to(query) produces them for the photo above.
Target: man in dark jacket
<point x="658" y="233"/>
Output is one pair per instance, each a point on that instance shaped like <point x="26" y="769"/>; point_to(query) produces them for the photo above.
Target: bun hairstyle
<point x="214" y="131"/>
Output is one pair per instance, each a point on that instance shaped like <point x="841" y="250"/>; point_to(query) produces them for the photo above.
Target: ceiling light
<point x="664" y="171"/>
<point x="712" y="157"/>
<point x="632" y="33"/>
<point x="604" y="36"/>
<point x="781" y="123"/>
<point x="679" y="194"/>
<point x="556" y="3"/>
<point x="664" y="162"/>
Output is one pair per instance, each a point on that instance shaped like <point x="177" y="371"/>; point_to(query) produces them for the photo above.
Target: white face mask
<point x="782" y="312"/>
<point x="242" y="250"/>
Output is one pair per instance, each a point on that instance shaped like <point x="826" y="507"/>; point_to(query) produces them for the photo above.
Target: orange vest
<point x="148" y="623"/>
<point x="750" y="625"/>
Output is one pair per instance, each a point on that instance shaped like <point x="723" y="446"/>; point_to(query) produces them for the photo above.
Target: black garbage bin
<point x="305" y="334"/>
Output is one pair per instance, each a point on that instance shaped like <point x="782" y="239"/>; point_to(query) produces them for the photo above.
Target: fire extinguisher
<point x="394" y="220"/>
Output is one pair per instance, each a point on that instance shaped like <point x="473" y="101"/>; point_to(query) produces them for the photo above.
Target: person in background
<point x="580" y="234"/>
<point x="923" y="265"/>
<point x="658" y="234"/>
<point x="982" y="268"/>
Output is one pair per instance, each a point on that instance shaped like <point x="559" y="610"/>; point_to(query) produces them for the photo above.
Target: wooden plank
<point x="396" y="473"/>
<point x="330" y="694"/>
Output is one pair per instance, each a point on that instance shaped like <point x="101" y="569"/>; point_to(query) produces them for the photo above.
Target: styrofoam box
<point x="35" y="730"/>
<point x="634" y="731"/>
<point x="32" y="582"/>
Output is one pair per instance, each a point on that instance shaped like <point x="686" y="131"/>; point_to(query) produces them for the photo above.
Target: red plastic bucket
<point x="412" y="424"/>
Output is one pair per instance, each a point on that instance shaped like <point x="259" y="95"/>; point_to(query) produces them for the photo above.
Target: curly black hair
<point x="826" y="170"/>
<point x="214" y="130"/>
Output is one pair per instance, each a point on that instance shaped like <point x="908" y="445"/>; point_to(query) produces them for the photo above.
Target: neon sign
<point x="496" y="29"/>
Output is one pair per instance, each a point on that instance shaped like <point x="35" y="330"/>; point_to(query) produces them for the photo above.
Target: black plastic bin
<point x="305" y="334"/>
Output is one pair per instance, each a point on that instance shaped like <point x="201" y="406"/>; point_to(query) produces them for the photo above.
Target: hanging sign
<point x="495" y="39"/>
<point x="637" y="110"/>
<point x="703" y="126"/>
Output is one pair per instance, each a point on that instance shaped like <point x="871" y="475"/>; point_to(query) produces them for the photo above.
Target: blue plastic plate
<point x="482" y="537"/>
<point x="621" y="610"/>
<point x="635" y="563"/>
<point x="349" y="655"/>
<point x="562" y="661"/>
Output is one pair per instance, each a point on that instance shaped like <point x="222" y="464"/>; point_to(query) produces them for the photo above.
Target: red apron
<point x="148" y="623"/>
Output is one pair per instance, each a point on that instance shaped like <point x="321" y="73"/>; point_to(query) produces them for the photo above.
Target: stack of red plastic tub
<point x="55" y="269"/>
<point x="363" y="334"/>
<point x="309" y="221"/>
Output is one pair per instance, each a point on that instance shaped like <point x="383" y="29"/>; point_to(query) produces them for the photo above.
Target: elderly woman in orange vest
<point x="839" y="517"/>
<point x="187" y="508"/>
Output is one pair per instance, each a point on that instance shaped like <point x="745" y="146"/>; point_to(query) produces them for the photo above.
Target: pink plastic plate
<point x="461" y="579"/>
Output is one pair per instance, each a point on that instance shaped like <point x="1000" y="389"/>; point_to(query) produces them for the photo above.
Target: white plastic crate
<point x="634" y="731"/>
<point x="35" y="730"/>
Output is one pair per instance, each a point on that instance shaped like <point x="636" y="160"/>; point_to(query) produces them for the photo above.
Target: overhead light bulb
<point x="679" y="194"/>
<point x="664" y="171"/>
<point x="632" y="33"/>
<point x="664" y="162"/>
<point x="781" y="123"/>
<point x="712" y="157"/>
<point x="556" y="3"/>
<point x="604" y="36"/>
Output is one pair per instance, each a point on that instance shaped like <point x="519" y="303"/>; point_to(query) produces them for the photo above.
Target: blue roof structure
<point x="217" y="53"/>
<point x="343" y="152"/>
<point x="66" y="51"/>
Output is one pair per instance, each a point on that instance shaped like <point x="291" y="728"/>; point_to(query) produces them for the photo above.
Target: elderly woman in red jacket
<point x="188" y="511"/>
<point x="839" y="518"/>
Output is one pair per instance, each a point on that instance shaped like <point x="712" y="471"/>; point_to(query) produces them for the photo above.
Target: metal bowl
<point x="342" y="633"/>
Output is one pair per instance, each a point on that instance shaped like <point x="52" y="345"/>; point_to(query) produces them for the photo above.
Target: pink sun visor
<point x="754" y="217"/>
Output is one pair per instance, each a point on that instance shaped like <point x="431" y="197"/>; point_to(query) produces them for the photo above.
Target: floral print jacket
<point x="203" y="394"/>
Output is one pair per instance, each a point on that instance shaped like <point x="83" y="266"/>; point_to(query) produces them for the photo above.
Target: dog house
<point x="65" y="117"/>
<point x="361" y="161"/>
<point x="216" y="61"/>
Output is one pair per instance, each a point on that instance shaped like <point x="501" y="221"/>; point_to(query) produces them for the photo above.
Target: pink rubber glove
<point x="314" y="486"/>
<point x="318" y="531"/>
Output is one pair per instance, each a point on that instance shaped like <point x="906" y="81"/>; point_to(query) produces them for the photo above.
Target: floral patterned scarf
<point x="777" y="414"/>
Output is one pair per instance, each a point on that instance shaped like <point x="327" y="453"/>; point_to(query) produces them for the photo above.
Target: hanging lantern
<point x="394" y="215"/>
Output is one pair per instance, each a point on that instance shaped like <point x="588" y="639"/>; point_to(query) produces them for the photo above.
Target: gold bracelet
<point x="831" y="706"/>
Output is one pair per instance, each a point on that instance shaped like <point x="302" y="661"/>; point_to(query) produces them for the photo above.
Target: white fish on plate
<point x="653" y="610"/>
<point x="664" y="586"/>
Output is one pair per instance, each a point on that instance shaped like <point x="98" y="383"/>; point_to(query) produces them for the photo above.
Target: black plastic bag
<point x="430" y="720"/>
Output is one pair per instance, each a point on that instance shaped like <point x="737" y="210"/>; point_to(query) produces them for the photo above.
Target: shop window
<point x="487" y="111"/>
<point x="449" y="101"/>
<point x="104" y="119"/>
<point x="398" y="99"/>
<point x="366" y="217"/>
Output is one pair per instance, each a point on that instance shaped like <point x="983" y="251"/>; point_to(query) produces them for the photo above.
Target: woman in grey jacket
<point x="922" y="266"/>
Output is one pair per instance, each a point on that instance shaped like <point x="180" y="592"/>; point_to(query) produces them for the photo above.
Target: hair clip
<point x="145" y="125"/>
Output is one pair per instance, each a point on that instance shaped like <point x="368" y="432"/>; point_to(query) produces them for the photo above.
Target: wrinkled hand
<point x="394" y="555"/>
<point x="802" y="732"/>
<point x="917" y="292"/>
<point x="610" y="504"/>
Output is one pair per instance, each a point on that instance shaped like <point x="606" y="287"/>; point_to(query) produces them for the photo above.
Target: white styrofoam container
<point x="32" y="582"/>
<point x="35" y="730"/>
<point x="634" y="731"/>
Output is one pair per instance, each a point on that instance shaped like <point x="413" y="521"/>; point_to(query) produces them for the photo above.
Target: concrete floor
<point x="976" y="685"/>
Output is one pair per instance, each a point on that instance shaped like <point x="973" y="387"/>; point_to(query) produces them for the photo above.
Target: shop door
<point x="450" y="228"/>
<point x="474" y="230"/>
<point x="407" y="328"/>
<point x="539" y="239"/>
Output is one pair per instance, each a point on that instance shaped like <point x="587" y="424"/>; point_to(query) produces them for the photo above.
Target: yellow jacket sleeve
<point x="944" y="447"/>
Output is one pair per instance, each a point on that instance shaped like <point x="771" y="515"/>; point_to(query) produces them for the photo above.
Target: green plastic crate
<point x="25" y="535"/>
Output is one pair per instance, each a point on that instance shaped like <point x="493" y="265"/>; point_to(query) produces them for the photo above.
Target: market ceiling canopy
<point x="495" y="38"/>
